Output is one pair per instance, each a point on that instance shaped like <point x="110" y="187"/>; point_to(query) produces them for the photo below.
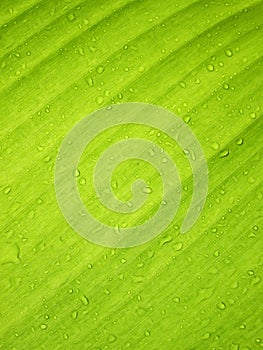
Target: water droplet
<point x="82" y="181"/>
<point x="240" y="141"/>
<point x="89" y="80"/>
<point x="182" y="84"/>
<point x="99" y="100"/>
<point x="39" y="201"/>
<point x="47" y="159"/>
<point x="255" y="280"/>
<point x="216" y="253"/>
<point x="76" y="173"/>
<point x="187" y="119"/>
<point x="151" y="152"/>
<point x="147" y="333"/>
<point x="7" y="190"/>
<point x="224" y="153"/>
<point x="74" y="314"/>
<point x="226" y="86"/>
<point x="123" y="260"/>
<point x="40" y="148"/>
<point x="43" y="326"/>
<point x="210" y="68"/>
<point x="147" y="190"/>
<point x="229" y="53"/>
<point x="221" y="306"/>
<point x="206" y="336"/>
<point x="112" y="338"/>
<point x="100" y="69"/>
<point x="81" y="51"/>
<point x="176" y="300"/>
<point x="71" y="17"/>
<point x="166" y="239"/>
<point x="178" y="246"/>
<point x="84" y="300"/>
<point x="215" y="146"/>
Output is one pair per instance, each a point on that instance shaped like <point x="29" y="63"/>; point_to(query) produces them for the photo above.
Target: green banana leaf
<point x="62" y="60"/>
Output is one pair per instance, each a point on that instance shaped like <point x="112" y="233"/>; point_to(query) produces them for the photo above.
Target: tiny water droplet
<point x="206" y="336"/>
<point x="76" y="173"/>
<point x="178" y="246"/>
<point x="229" y="53"/>
<point x="240" y="141"/>
<point x="255" y="280"/>
<point x="216" y="253"/>
<point x="151" y="152"/>
<point x="89" y="80"/>
<point x="176" y="300"/>
<point x="40" y="148"/>
<point x="100" y="69"/>
<point x="187" y="119"/>
<point x="215" y="146"/>
<point x="224" y="153"/>
<point x="99" y="100"/>
<point x="81" y="51"/>
<point x="84" y="300"/>
<point x="7" y="190"/>
<point x="107" y="291"/>
<point x="221" y="306"/>
<point x="112" y="338"/>
<point x="71" y="17"/>
<point x="43" y="326"/>
<point x="210" y="68"/>
<point x="74" y="314"/>
<point x="47" y="159"/>
<point x="166" y="239"/>
<point x="147" y="190"/>
<point x="82" y="181"/>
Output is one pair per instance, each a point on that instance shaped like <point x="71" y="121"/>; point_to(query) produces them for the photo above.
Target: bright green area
<point x="61" y="60"/>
